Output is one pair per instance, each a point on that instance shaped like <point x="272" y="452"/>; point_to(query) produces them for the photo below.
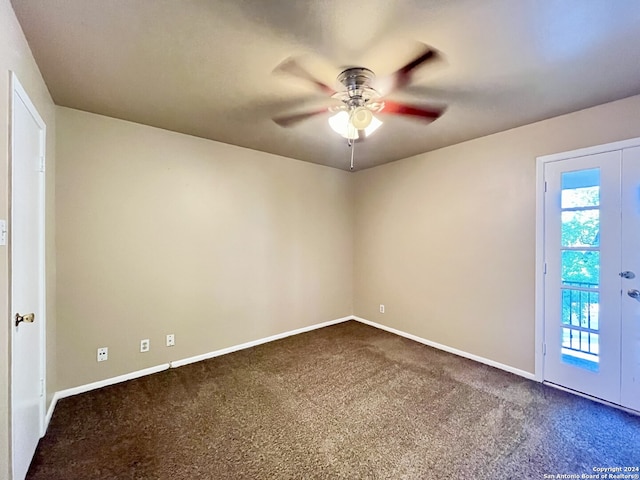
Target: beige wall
<point x="15" y="56"/>
<point x="160" y="232"/>
<point x="446" y="240"/>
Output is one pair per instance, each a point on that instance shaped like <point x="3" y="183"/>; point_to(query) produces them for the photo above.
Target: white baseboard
<point x="50" y="410"/>
<point x="446" y="348"/>
<point x="102" y="383"/>
<point x="253" y="343"/>
<point x="178" y="363"/>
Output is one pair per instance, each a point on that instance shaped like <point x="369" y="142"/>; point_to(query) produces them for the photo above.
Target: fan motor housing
<point x="356" y="77"/>
<point x="357" y="81"/>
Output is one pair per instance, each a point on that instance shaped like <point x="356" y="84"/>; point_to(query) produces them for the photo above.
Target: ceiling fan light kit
<point x="341" y="124"/>
<point x="361" y="118"/>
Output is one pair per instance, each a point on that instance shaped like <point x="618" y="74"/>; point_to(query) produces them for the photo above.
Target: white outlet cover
<point x="103" y="354"/>
<point x="144" y="345"/>
<point x="171" y="340"/>
<point x="381" y="308"/>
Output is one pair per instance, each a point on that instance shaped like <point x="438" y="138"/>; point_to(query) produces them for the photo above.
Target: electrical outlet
<point x="144" y="345"/>
<point x="103" y="354"/>
<point x="171" y="340"/>
<point x="381" y="308"/>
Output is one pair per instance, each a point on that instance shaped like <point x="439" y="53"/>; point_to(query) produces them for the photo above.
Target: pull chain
<point x="351" y="141"/>
<point x="353" y="146"/>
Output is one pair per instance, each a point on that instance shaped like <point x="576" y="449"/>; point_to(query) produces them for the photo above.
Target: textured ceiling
<point x="205" y="67"/>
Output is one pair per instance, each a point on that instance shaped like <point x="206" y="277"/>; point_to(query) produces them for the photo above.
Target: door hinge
<point x="545" y="268"/>
<point x="545" y="187"/>
<point x="42" y="387"/>
<point x="3" y="232"/>
<point x="544" y="349"/>
<point x="41" y="167"/>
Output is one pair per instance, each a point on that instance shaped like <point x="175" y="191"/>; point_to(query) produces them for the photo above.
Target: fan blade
<point x="402" y="76"/>
<point x="426" y="113"/>
<point x="292" y="67"/>
<point x="290" y="120"/>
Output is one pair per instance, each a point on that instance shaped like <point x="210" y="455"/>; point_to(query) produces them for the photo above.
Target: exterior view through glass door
<point x="592" y="264"/>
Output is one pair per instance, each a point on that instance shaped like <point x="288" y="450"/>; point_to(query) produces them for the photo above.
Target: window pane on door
<point x="580" y="268"/>
<point x="581" y="228"/>
<point x="580" y="349"/>
<point x="581" y="308"/>
<point x="580" y="189"/>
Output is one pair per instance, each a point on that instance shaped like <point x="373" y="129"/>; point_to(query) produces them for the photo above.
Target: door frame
<point x="16" y="89"/>
<point x="540" y="234"/>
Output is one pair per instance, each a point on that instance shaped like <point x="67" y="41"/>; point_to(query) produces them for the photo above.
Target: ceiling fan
<point x="358" y="98"/>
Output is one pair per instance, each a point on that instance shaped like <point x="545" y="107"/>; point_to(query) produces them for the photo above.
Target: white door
<point x="592" y="227"/>
<point x="27" y="279"/>
<point x="630" y="355"/>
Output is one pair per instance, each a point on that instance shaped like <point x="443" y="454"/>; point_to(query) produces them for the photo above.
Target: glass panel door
<point x="582" y="296"/>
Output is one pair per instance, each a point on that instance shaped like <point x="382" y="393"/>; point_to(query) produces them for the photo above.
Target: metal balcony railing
<point x="580" y="318"/>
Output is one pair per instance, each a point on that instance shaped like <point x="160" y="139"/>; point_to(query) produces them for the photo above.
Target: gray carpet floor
<point x="347" y="401"/>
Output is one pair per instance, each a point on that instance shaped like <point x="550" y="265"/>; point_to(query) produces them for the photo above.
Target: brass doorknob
<point x="28" y="318"/>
